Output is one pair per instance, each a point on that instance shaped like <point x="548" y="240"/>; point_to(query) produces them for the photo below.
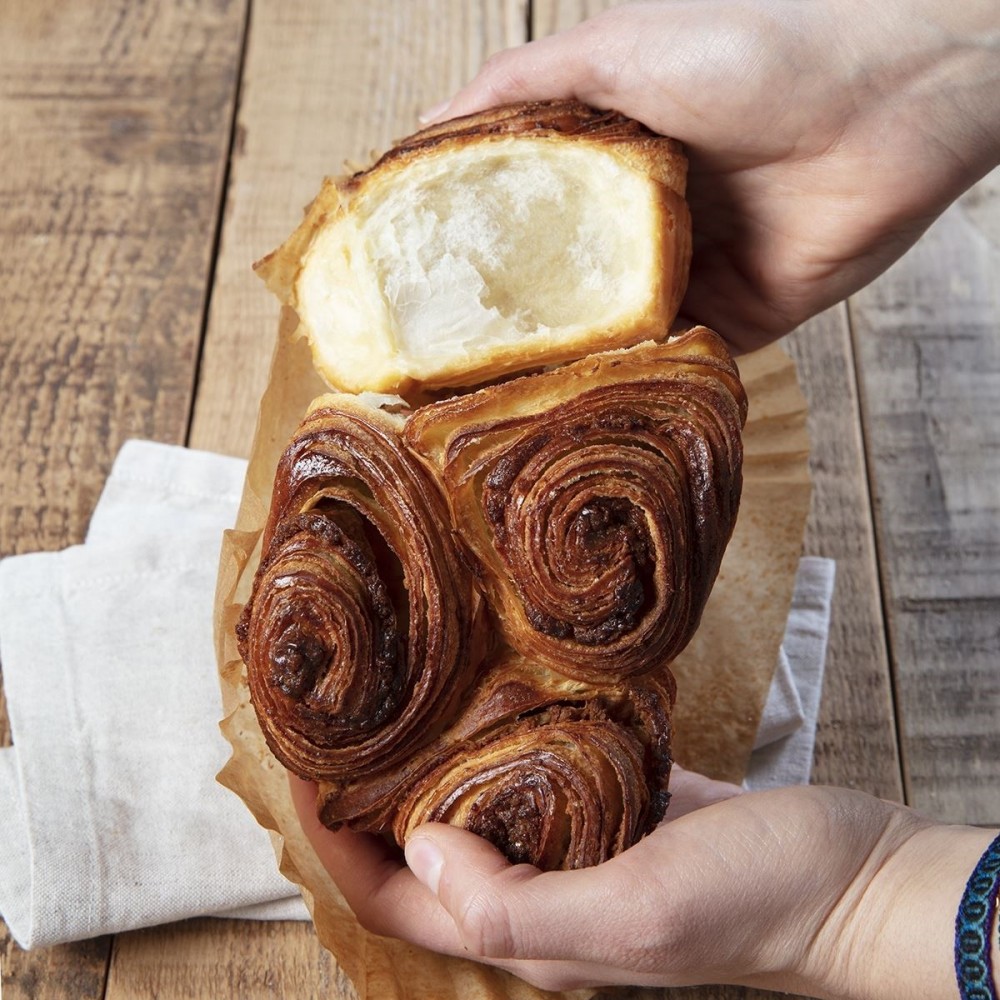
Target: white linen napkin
<point x="110" y="815"/>
<point x="783" y="754"/>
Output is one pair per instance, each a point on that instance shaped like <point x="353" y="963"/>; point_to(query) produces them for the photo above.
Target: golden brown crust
<point x="660" y="156"/>
<point x="595" y="502"/>
<point x="598" y="499"/>
<point x="365" y="657"/>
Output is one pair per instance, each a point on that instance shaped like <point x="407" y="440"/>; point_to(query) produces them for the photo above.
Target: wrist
<point x="960" y="82"/>
<point x="935" y="71"/>
<point x="819" y="945"/>
<point x="899" y="939"/>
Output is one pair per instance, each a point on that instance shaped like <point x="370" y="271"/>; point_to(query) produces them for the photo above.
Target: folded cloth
<point x="110" y="816"/>
<point x="783" y="710"/>
<point x="786" y="757"/>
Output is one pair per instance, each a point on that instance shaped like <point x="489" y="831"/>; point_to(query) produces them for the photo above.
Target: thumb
<point x="504" y="911"/>
<point x="477" y="885"/>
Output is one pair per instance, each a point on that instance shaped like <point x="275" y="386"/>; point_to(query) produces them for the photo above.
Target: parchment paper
<point x="722" y="677"/>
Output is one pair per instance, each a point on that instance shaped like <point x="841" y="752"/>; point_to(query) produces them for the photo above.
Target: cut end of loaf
<point x="464" y="258"/>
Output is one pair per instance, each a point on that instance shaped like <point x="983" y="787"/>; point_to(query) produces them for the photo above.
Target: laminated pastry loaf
<point x="466" y="612"/>
<point x="524" y="236"/>
<point x="467" y="601"/>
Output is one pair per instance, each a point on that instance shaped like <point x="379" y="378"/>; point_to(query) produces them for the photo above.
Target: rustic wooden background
<point x="149" y="152"/>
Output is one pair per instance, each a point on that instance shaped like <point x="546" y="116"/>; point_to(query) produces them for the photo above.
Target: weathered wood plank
<point x="224" y="958"/>
<point x="321" y="84"/>
<point x="114" y="127"/>
<point x="928" y="341"/>
<point x="550" y="16"/>
<point x="856" y="742"/>
<point x="72" y="970"/>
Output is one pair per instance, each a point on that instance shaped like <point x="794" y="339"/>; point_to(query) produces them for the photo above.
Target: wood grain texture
<point x="928" y="341"/>
<point x="550" y="16"/>
<point x="72" y="970"/>
<point x="114" y="127"/>
<point x="224" y="958"/>
<point x="323" y="84"/>
<point x="856" y="743"/>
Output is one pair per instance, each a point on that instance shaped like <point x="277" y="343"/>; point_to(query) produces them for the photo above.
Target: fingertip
<point x="455" y="844"/>
<point x="550" y="68"/>
<point x="474" y="883"/>
<point x="425" y="859"/>
<point x="435" y="113"/>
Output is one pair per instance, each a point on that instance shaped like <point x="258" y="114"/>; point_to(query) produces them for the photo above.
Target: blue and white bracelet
<point x="973" y="925"/>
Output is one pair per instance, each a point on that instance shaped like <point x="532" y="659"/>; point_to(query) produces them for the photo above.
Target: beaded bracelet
<point x="972" y="928"/>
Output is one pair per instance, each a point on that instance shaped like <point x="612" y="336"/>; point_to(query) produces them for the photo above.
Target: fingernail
<point x="431" y="113"/>
<point x="425" y="861"/>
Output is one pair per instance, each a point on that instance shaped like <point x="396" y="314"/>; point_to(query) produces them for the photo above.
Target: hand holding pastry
<point x="821" y="891"/>
<point x="823" y="137"/>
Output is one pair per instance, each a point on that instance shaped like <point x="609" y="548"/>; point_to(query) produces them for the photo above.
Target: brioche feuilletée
<point x="466" y="608"/>
<point x="525" y="236"/>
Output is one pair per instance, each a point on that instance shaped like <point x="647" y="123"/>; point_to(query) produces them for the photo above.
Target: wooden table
<point x="150" y="152"/>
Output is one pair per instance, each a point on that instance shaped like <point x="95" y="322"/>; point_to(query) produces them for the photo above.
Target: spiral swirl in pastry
<point x="554" y="772"/>
<point x="598" y="499"/>
<point x="362" y="629"/>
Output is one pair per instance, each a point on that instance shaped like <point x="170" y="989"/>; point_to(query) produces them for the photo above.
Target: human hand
<point x="824" y="137"/>
<point x="757" y="888"/>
